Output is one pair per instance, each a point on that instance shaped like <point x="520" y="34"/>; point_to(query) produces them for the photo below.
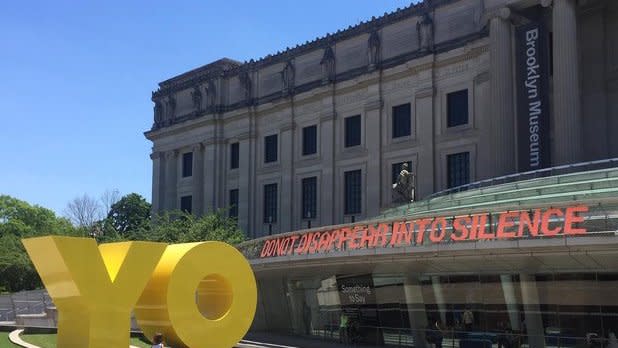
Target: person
<point x="343" y="328"/>
<point x="438" y="335"/>
<point x="613" y="342"/>
<point x="468" y="319"/>
<point x="157" y="341"/>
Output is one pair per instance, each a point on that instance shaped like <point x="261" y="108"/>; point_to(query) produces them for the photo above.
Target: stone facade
<point x="416" y="55"/>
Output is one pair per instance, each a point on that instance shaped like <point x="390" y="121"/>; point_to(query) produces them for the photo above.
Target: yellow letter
<point x="93" y="288"/>
<point x="213" y="274"/>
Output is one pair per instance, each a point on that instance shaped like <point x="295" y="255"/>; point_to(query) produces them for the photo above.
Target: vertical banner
<point x="532" y="96"/>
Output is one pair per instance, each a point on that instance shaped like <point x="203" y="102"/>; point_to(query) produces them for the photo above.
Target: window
<point x="270" y="203"/>
<point x="457" y="108"/>
<point x="352" y="131"/>
<point x="233" y="213"/>
<point x="310" y="140"/>
<point x="396" y="169"/>
<point x="270" y="148"/>
<point x="234" y="153"/>
<point x="402" y="121"/>
<point x="310" y="192"/>
<point x="352" y="192"/>
<point x="187" y="164"/>
<point x="185" y="204"/>
<point x="458" y="169"/>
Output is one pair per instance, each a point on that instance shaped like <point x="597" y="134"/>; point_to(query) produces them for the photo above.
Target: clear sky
<point x="76" y="77"/>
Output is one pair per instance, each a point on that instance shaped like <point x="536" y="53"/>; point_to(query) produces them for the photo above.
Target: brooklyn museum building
<point x="506" y="114"/>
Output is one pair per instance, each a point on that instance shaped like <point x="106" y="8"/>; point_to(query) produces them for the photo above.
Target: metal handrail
<point x="533" y="174"/>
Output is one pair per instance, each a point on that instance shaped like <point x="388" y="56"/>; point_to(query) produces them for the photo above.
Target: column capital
<point x="545" y="3"/>
<point x="156" y="155"/>
<point x="212" y="141"/>
<point x="246" y="135"/>
<point x="503" y="13"/>
<point x="425" y="93"/>
<point x="286" y="126"/>
<point x="171" y="154"/>
<point x="197" y="147"/>
<point x="328" y="116"/>
<point x="373" y="104"/>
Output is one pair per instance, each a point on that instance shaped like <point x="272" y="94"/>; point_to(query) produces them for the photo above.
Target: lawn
<point x="49" y="340"/>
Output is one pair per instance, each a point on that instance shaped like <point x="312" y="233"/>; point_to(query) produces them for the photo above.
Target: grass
<point x="49" y="340"/>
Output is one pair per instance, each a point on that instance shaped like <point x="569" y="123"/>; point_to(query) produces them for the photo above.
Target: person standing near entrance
<point x="468" y="319"/>
<point x="343" y="328"/>
<point x="157" y="341"/>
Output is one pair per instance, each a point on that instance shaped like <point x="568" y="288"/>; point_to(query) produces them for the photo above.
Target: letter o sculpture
<point x="200" y="294"/>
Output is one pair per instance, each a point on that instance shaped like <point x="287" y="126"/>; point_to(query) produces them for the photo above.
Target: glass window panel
<point x="402" y="121"/>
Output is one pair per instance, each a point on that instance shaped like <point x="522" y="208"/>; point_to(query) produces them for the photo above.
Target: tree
<point x="108" y="198"/>
<point x="18" y="220"/>
<point x="181" y="227"/>
<point x="83" y="211"/>
<point x="130" y="214"/>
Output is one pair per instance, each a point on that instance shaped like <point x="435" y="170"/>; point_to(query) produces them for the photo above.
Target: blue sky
<point x="76" y="77"/>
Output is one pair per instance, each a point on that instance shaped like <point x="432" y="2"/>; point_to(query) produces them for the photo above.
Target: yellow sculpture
<point x="200" y="294"/>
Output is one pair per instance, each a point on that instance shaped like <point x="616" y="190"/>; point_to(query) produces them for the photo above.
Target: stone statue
<point x="196" y="95"/>
<point x="374" y="50"/>
<point x="158" y="112"/>
<point x="287" y="76"/>
<point x="245" y="84"/>
<point x="171" y="107"/>
<point x="424" y="30"/>
<point x="328" y="65"/>
<point x="211" y="94"/>
<point x="403" y="188"/>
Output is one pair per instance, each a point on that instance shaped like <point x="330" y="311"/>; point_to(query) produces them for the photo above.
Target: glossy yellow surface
<point x="200" y="295"/>
<point x="94" y="288"/>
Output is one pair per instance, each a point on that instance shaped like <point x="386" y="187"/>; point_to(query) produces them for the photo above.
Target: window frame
<point x="187" y="170"/>
<point x="347" y="145"/>
<point x="234" y="155"/>
<point x="347" y="209"/>
<point x="394" y="119"/>
<point x="276" y="149"/>
<point x="268" y="209"/>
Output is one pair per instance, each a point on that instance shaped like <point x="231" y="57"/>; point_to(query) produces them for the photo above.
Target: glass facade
<point x="561" y="309"/>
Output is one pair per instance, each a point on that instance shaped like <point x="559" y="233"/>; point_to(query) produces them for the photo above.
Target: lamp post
<point x="270" y="225"/>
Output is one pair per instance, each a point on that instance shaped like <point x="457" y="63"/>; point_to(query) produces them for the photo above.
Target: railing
<point x="534" y="174"/>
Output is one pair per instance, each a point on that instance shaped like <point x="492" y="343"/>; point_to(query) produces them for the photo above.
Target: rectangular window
<point x="458" y="169"/>
<point x="233" y="213"/>
<point x="353" y="131"/>
<point x="186" y="203"/>
<point x="402" y="121"/>
<point x="310" y="193"/>
<point x="234" y="153"/>
<point x="310" y="140"/>
<point x="396" y="169"/>
<point x="270" y="203"/>
<point x="457" y="108"/>
<point x="187" y="164"/>
<point x="352" y="187"/>
<point x="270" y="148"/>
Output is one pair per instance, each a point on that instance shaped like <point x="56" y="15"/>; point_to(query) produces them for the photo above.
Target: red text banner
<point x="536" y="223"/>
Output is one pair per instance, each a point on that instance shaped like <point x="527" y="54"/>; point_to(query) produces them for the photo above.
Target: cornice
<point x="286" y="126"/>
<point x="373" y="104"/>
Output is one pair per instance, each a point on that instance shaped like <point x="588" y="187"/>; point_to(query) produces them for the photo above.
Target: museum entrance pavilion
<point x="555" y="288"/>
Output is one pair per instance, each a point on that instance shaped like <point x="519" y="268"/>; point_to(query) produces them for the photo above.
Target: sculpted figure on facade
<point x="424" y="30"/>
<point x="403" y="188"/>
<point x="211" y="94"/>
<point x="287" y="75"/>
<point x="158" y="112"/>
<point x="374" y="49"/>
<point x="328" y="65"/>
<point x="196" y="96"/>
<point x="171" y="107"/>
<point x="245" y="85"/>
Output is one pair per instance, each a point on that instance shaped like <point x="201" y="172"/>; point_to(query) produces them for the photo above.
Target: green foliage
<point x="131" y="213"/>
<point x="18" y="220"/>
<point x="181" y="227"/>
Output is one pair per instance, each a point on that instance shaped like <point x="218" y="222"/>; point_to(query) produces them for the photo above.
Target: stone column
<point x="502" y="118"/>
<point x="373" y="139"/>
<point x="566" y="121"/>
<point x="158" y="177"/>
<point x="424" y="132"/>
<point x="171" y="180"/>
<point x="532" y="311"/>
<point x="287" y="182"/>
<point x="508" y="289"/>
<point x="244" y="174"/>
<point x="198" y="179"/>
<point x="416" y="309"/>
<point x="439" y="296"/>
<point x="209" y="176"/>
<point x="326" y="189"/>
